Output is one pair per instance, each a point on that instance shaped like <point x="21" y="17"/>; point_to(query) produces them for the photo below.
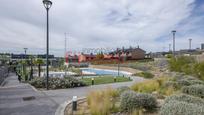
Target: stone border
<point x="61" y="109"/>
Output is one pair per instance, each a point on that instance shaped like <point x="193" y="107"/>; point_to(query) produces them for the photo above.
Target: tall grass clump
<point x="102" y="102"/>
<point x="146" y="86"/>
<point x="149" y="86"/>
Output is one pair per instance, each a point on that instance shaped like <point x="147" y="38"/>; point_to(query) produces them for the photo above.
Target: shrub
<point x="196" y="90"/>
<point x="173" y="84"/>
<point x="56" y="83"/>
<point x="128" y="101"/>
<point x="198" y="70"/>
<point x="145" y="74"/>
<point x="180" y="81"/>
<point x="121" y="89"/>
<point x="146" y="86"/>
<point x="38" y="82"/>
<point x="185" y="98"/>
<point x="181" y="108"/>
<point x="181" y="64"/>
<point x="131" y="100"/>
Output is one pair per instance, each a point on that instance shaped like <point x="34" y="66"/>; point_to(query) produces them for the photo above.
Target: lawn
<point x="105" y="80"/>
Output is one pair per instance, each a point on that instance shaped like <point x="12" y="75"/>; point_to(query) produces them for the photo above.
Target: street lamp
<point x="190" y="43"/>
<point x="25" y="50"/>
<point x="47" y="4"/>
<point x="174" y="32"/>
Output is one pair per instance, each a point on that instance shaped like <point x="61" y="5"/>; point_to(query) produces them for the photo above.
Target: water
<point x="104" y="72"/>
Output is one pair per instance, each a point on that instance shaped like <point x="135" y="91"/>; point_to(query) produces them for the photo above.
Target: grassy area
<point x="105" y="80"/>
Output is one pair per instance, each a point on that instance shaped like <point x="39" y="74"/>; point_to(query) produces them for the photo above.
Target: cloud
<point x="98" y="23"/>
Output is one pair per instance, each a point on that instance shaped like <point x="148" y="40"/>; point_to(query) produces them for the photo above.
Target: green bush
<point x="57" y="83"/>
<point x="121" y="89"/>
<point x="181" y="108"/>
<point x="173" y="84"/>
<point x="181" y="64"/>
<point x="185" y="98"/>
<point x="145" y="74"/>
<point x="128" y="101"/>
<point x="186" y="80"/>
<point x="38" y="82"/>
<point x="131" y="101"/>
<point x="196" y="90"/>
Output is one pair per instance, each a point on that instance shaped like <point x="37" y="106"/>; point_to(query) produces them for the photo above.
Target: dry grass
<point x="102" y="102"/>
<point x="149" y="86"/>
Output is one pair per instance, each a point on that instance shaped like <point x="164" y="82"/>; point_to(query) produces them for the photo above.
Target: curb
<point x="60" y="110"/>
<point x="32" y="87"/>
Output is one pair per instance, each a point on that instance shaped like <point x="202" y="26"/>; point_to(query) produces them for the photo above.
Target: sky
<point x="94" y="24"/>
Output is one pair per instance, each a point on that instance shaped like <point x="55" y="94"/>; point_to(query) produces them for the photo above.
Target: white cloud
<point x="95" y="23"/>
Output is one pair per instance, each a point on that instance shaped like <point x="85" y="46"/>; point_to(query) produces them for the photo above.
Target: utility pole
<point x="174" y="32"/>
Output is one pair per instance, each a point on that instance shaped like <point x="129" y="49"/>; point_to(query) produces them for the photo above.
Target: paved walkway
<point x="45" y="102"/>
<point x="12" y="103"/>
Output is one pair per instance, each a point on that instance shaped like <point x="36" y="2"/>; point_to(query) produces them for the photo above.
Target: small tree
<point x="39" y="62"/>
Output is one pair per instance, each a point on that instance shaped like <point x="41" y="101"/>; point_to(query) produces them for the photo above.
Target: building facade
<point x="202" y="46"/>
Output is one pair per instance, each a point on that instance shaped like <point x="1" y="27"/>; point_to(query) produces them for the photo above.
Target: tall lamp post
<point x="25" y="50"/>
<point x="65" y="52"/>
<point x="47" y="4"/>
<point x="174" y="32"/>
<point x="190" y="40"/>
<point x="24" y="65"/>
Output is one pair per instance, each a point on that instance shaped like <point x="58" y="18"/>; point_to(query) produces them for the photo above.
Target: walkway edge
<point x="60" y="110"/>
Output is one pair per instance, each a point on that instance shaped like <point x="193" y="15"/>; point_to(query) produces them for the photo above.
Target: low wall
<point x="3" y="73"/>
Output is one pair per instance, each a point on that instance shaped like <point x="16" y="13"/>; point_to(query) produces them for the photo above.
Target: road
<point x="42" y="102"/>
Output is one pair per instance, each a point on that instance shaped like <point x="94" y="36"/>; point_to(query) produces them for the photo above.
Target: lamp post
<point x="119" y="63"/>
<point x="47" y="4"/>
<point x="169" y="47"/>
<point x="25" y="50"/>
<point x="174" y="32"/>
<point x="65" y="52"/>
<point x="190" y="43"/>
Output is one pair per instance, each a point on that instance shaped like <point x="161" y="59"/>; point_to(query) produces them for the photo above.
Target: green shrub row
<point x="57" y="83"/>
<point x="145" y="74"/>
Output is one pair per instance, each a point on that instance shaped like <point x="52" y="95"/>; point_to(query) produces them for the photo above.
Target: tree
<point x="39" y="62"/>
<point x="100" y="56"/>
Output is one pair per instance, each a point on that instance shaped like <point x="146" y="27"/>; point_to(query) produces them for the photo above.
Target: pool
<point x="94" y="71"/>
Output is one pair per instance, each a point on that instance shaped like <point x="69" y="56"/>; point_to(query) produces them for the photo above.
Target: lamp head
<point x="47" y="4"/>
<point x="173" y="31"/>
